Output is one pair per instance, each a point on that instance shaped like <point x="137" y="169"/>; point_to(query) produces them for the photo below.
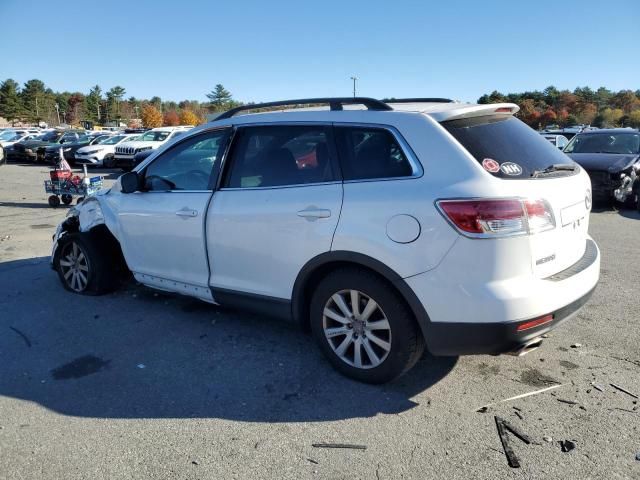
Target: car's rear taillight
<point x="480" y="218"/>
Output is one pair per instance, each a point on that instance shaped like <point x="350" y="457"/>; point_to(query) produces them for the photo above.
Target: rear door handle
<point x="186" y="212"/>
<point x="313" y="212"/>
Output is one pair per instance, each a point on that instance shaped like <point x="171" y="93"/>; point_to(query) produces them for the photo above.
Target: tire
<point x="3" y="158"/>
<point x="54" y="201"/>
<point x="108" y="161"/>
<point x="399" y="343"/>
<point x="67" y="199"/>
<point x="40" y="156"/>
<point x="92" y="272"/>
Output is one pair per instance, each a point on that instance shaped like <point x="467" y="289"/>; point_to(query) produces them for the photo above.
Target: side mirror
<point x="130" y="182"/>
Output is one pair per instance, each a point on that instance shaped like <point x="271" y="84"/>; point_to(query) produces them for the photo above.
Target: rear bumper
<point x="466" y="318"/>
<point x="494" y="338"/>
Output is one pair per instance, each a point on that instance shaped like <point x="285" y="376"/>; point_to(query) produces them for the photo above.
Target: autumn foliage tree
<point x="171" y="119"/>
<point x="151" y="117"/>
<point x="187" y="117"/>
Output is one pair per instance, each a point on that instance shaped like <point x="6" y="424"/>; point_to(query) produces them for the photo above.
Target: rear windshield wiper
<point x="556" y="167"/>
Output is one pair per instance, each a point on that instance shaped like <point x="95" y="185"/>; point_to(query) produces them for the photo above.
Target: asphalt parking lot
<point x="141" y="384"/>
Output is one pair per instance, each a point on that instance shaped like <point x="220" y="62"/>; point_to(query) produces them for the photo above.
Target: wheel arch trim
<point x="300" y="302"/>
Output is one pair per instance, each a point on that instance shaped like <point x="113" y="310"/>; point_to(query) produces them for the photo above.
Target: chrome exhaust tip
<point x="526" y="347"/>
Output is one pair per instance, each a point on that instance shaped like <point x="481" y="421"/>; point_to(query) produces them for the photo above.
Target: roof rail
<point x="335" y="103"/>
<point x="418" y="100"/>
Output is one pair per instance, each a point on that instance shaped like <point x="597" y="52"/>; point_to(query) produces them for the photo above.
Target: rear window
<point x="506" y="147"/>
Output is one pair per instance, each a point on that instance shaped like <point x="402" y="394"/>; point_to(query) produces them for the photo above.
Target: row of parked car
<point x="94" y="148"/>
<point x="611" y="157"/>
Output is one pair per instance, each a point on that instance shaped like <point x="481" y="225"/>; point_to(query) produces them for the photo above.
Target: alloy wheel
<point x="357" y="329"/>
<point x="74" y="267"/>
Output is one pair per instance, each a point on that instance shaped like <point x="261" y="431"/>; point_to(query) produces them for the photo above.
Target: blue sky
<point x="268" y="50"/>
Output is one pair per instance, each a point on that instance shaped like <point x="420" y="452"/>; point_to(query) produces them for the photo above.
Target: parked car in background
<point x="568" y="132"/>
<point x="611" y="157"/>
<point x="368" y="242"/>
<point x="150" y="140"/>
<point x="34" y="149"/>
<point x="69" y="149"/>
<point x="558" y="141"/>
<point x="101" y="154"/>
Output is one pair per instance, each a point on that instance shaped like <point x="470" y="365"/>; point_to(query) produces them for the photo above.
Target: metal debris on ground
<point x="618" y="387"/>
<point x="339" y="445"/>
<point x="547" y="439"/>
<point x="312" y="461"/>
<point x="563" y="400"/>
<point x="516" y="431"/>
<point x="597" y="387"/>
<point x="567" y="445"/>
<point x="512" y="459"/>
<point x="576" y="345"/>
<point x="519" y="415"/>
<point x="528" y="394"/>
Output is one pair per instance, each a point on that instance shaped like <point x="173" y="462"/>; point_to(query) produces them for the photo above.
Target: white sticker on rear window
<point x="510" y="168"/>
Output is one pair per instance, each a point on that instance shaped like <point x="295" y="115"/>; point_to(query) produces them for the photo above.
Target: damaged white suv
<point x="384" y="228"/>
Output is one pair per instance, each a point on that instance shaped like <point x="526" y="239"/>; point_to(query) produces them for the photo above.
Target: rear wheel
<point x="83" y="266"/>
<point x="67" y="199"/>
<point x="364" y="327"/>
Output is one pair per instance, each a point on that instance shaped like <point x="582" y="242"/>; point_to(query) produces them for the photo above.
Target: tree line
<point x="34" y="102"/>
<point x="601" y="108"/>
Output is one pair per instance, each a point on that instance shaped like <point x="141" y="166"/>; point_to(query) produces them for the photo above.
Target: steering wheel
<point x="150" y="179"/>
<point x="201" y="176"/>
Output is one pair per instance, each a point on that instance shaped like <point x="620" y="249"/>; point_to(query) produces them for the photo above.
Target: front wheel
<point x="364" y="327"/>
<point x="109" y="161"/>
<point x="83" y="267"/>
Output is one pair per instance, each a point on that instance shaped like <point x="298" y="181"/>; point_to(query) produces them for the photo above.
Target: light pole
<point x="58" y="112"/>
<point x="354" y="78"/>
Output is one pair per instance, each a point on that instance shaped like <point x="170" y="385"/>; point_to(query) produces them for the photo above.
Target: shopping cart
<point x="63" y="185"/>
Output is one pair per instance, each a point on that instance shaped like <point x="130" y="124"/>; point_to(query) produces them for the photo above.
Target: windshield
<point x="12" y="137"/>
<point x="113" y="140"/>
<point x="7" y="135"/>
<point x="620" y="143"/>
<point x="51" y="136"/>
<point x="100" y="139"/>
<point x="152" y="136"/>
<point x="506" y="147"/>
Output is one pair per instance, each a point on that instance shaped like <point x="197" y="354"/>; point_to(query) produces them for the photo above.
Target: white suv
<point x="124" y="156"/>
<point x="381" y="227"/>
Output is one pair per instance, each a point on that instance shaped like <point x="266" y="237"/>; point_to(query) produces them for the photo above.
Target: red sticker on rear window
<point x="490" y="165"/>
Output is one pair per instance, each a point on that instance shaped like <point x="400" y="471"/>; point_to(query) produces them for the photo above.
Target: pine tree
<point x="92" y="105"/>
<point x="10" y="105"/>
<point x="220" y="98"/>
<point x="33" y="96"/>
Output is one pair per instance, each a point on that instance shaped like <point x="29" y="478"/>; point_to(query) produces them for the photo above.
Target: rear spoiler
<point x="468" y="111"/>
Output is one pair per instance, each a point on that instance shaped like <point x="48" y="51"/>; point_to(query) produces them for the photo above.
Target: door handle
<point x="186" y="212"/>
<point x="313" y="212"/>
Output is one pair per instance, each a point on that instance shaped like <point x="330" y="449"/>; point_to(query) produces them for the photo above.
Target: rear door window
<point x="271" y="156"/>
<point x="369" y="152"/>
<point x="506" y="147"/>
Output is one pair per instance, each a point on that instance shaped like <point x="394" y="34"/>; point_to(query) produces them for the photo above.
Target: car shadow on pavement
<point x="138" y="353"/>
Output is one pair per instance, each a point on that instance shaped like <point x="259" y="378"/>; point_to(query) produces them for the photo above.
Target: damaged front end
<point x="81" y="218"/>
<point x="628" y="183"/>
